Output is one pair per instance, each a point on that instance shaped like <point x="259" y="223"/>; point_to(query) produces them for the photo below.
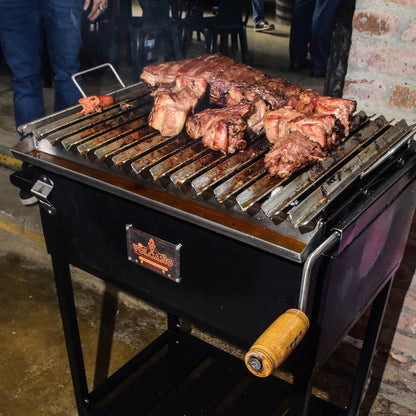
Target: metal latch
<point x="41" y="189"/>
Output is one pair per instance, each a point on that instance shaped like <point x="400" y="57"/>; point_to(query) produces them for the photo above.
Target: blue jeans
<point x="312" y="26"/>
<point x="258" y="10"/>
<point x="25" y="27"/>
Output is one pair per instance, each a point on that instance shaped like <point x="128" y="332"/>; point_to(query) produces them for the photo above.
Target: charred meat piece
<point x="274" y="91"/>
<point x="290" y="153"/>
<point x="221" y="128"/>
<point x="321" y="129"/>
<point x="221" y="73"/>
<point x="95" y="104"/>
<point x="165" y="73"/>
<point x="173" y="105"/>
<point x="311" y="101"/>
<point x="239" y="95"/>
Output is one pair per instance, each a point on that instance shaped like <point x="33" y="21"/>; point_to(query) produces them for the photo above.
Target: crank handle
<point x="272" y="348"/>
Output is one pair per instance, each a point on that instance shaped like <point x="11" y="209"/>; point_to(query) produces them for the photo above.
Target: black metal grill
<point x="245" y="241"/>
<point x="119" y="140"/>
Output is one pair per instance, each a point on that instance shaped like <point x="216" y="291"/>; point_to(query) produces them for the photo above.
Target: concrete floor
<point x="35" y="379"/>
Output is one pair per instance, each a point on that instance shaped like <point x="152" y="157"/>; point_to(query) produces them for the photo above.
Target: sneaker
<point x="263" y="25"/>
<point x="27" y="198"/>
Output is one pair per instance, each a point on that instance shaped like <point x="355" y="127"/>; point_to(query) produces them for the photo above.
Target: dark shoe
<point x="294" y="67"/>
<point x="263" y="25"/>
<point x="318" y="73"/>
<point x="27" y="198"/>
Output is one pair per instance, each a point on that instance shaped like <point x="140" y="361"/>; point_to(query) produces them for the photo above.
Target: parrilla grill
<point x="250" y="246"/>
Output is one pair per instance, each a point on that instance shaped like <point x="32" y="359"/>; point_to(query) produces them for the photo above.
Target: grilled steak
<point x="173" y="105"/>
<point x="318" y="128"/>
<point x="221" y="128"/>
<point x="292" y="152"/>
<point x="221" y="73"/>
<point x="310" y="101"/>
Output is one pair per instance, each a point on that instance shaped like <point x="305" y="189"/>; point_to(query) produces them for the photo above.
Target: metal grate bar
<point x="138" y="92"/>
<point x="178" y="160"/>
<point x="151" y="159"/>
<point x="107" y="117"/>
<point x="318" y="200"/>
<point x="146" y="144"/>
<point x="79" y="136"/>
<point x="241" y="180"/>
<point x="230" y="166"/>
<point x="196" y="167"/>
<point x="123" y="130"/>
<point x="257" y="191"/>
<point x="110" y="149"/>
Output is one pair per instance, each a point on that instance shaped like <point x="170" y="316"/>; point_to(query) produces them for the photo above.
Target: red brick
<point x="407" y="323"/>
<point x="410" y="34"/>
<point x="404" y="343"/>
<point x="401" y="358"/>
<point x="374" y="23"/>
<point x="364" y="90"/>
<point x="389" y="60"/>
<point x="403" y="97"/>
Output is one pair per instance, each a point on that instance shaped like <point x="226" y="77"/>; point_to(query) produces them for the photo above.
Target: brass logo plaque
<point x="153" y="253"/>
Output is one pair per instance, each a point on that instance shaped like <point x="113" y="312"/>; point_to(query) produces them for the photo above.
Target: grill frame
<point x="263" y="271"/>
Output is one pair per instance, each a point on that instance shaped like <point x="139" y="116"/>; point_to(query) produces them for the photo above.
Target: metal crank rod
<point x="278" y="341"/>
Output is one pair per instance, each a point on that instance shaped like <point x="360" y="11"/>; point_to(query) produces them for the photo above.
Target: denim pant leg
<point x="322" y="28"/>
<point x="300" y="30"/>
<point x="258" y="10"/>
<point x="62" y="21"/>
<point x="21" y="41"/>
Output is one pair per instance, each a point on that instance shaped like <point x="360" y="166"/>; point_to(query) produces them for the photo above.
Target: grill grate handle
<point x="95" y="68"/>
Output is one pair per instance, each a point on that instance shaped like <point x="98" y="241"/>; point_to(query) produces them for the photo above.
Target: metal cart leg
<point x="373" y="329"/>
<point x="67" y="308"/>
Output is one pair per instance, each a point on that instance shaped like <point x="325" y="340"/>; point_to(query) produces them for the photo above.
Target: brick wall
<point x="382" y="63"/>
<point x="381" y="76"/>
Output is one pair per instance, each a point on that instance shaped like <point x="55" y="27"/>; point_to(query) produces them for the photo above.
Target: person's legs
<point x="321" y="33"/>
<point x="258" y="10"/>
<point x="260" y="23"/>
<point x="300" y="32"/>
<point x="21" y="41"/>
<point x="62" y="20"/>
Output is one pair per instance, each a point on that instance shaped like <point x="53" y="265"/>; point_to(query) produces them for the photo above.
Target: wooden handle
<point x="277" y="342"/>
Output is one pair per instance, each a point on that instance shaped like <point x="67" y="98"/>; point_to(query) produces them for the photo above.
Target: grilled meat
<point x="302" y="125"/>
<point x="95" y="104"/>
<point x="221" y="128"/>
<point x="221" y="73"/>
<point x="291" y="152"/>
<point x="310" y="101"/>
<point x="240" y="95"/>
<point x="318" y="128"/>
<point x="204" y="66"/>
<point x="173" y="105"/>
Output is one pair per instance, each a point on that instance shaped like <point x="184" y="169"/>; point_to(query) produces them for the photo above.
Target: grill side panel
<point x="227" y="287"/>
